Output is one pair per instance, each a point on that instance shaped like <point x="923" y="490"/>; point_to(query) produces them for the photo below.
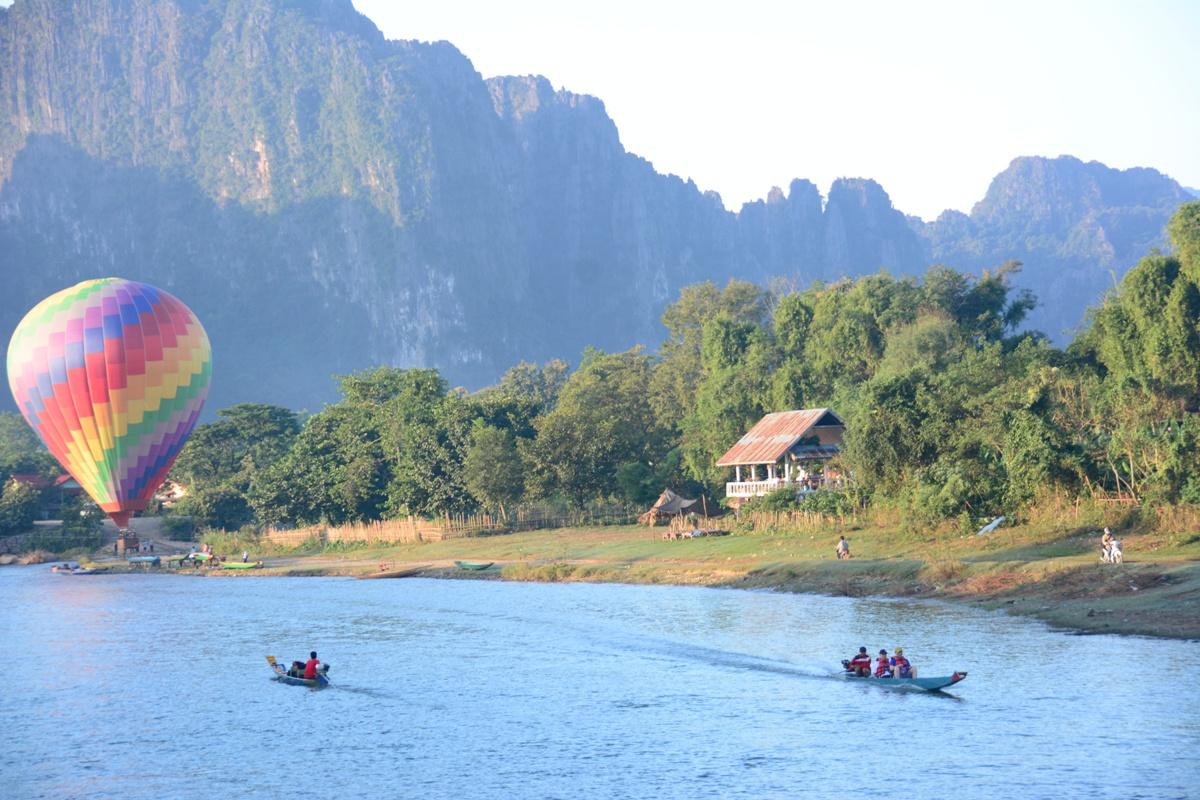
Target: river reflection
<point x="156" y="687"/>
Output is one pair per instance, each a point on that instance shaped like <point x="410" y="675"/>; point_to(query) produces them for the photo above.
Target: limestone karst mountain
<point x="326" y="199"/>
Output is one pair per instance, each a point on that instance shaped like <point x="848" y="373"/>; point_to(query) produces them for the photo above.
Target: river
<point x="156" y="687"/>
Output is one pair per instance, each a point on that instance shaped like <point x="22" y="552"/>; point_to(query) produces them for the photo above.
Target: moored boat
<point x="474" y="565"/>
<point x="391" y="573"/>
<point x="71" y="568"/>
<point x="242" y="565"/>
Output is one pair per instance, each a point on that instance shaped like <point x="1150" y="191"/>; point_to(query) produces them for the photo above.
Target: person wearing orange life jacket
<point x="883" y="666"/>
<point x="900" y="665"/>
<point x="860" y="665"/>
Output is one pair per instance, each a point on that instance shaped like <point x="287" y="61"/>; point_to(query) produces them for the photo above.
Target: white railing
<point x="759" y="488"/>
<point x="753" y="488"/>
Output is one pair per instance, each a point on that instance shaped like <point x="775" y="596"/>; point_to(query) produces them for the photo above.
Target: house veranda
<point x="785" y="449"/>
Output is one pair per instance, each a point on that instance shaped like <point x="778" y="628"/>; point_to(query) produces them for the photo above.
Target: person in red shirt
<point x="860" y="665"/>
<point x="310" y="667"/>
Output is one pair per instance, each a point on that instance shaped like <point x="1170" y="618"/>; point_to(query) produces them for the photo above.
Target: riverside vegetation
<point x="954" y="415"/>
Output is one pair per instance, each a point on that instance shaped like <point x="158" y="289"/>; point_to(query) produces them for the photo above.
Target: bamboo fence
<point x="450" y="526"/>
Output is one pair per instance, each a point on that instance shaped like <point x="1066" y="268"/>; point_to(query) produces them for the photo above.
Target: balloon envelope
<point x="111" y="374"/>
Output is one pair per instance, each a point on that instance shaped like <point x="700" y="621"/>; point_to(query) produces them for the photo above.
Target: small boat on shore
<point x="391" y="573"/>
<point x="475" y="566"/>
<point x="320" y="682"/>
<point x="71" y="568"/>
<point x="242" y="565"/>
<point x="928" y="684"/>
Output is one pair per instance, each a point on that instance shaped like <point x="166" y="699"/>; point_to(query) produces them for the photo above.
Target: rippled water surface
<point x="156" y="687"/>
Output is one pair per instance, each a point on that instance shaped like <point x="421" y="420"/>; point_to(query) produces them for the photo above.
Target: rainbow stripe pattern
<point x="112" y="375"/>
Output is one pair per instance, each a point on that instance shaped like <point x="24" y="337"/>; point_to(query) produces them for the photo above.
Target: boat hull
<point x="474" y="565"/>
<point x="320" y="683"/>
<point x="397" y="573"/>
<point x="928" y="684"/>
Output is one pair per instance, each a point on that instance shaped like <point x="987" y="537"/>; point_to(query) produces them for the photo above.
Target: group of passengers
<point x="896" y="666"/>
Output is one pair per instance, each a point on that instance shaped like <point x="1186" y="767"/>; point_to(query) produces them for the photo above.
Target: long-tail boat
<point x="281" y="675"/>
<point x="928" y="684"/>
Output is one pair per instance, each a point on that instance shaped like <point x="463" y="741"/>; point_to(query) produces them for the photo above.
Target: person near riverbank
<point x="860" y="665"/>
<point x="883" y="665"/>
<point x="245" y="555"/>
<point x="1106" y="544"/>
<point x="310" y="668"/>
<point x="843" y="548"/>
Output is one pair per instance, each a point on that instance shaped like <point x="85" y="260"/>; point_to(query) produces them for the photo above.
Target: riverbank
<point x="1053" y="575"/>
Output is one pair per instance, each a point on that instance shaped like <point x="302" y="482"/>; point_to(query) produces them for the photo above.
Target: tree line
<point x="951" y="409"/>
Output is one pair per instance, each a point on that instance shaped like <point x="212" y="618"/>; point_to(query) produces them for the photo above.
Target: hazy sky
<point x="930" y="99"/>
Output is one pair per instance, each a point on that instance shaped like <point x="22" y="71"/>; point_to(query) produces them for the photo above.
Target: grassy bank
<point x="1046" y="570"/>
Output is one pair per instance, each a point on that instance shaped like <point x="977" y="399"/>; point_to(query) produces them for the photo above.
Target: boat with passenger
<point x="292" y="678"/>
<point x="934" y="684"/>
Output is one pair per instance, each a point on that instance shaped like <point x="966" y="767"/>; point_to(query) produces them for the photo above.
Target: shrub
<point x="831" y="502"/>
<point x="180" y="527"/>
<point x="779" y="500"/>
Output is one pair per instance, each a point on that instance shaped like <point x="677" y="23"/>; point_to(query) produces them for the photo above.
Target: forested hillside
<point x="951" y="412"/>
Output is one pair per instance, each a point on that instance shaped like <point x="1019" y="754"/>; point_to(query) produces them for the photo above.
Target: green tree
<point x="245" y="438"/>
<point x="679" y="367"/>
<point x="603" y="420"/>
<point x="19" y="504"/>
<point x="492" y="469"/>
<point x="21" y="451"/>
<point x="220" y="506"/>
<point x="335" y="473"/>
<point x="1184" y="231"/>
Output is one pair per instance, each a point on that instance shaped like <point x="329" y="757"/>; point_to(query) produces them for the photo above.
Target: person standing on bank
<point x="843" y="548"/>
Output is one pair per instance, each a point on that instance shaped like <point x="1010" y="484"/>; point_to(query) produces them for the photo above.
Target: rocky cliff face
<point x="1072" y="224"/>
<point x="327" y="200"/>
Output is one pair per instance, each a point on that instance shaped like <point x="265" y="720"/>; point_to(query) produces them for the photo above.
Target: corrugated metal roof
<point x="772" y="436"/>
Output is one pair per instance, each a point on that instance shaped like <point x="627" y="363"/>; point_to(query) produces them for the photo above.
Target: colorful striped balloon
<point x="111" y="374"/>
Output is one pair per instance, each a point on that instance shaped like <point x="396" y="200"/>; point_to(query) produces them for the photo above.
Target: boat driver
<point x="860" y="665"/>
<point x="310" y="668"/>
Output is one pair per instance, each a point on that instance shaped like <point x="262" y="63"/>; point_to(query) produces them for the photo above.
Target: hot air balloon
<point x="111" y="374"/>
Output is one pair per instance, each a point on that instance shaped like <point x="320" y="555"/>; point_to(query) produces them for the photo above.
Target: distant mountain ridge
<point x="326" y="199"/>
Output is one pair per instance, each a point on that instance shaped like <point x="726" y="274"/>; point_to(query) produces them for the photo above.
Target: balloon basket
<point x="127" y="541"/>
